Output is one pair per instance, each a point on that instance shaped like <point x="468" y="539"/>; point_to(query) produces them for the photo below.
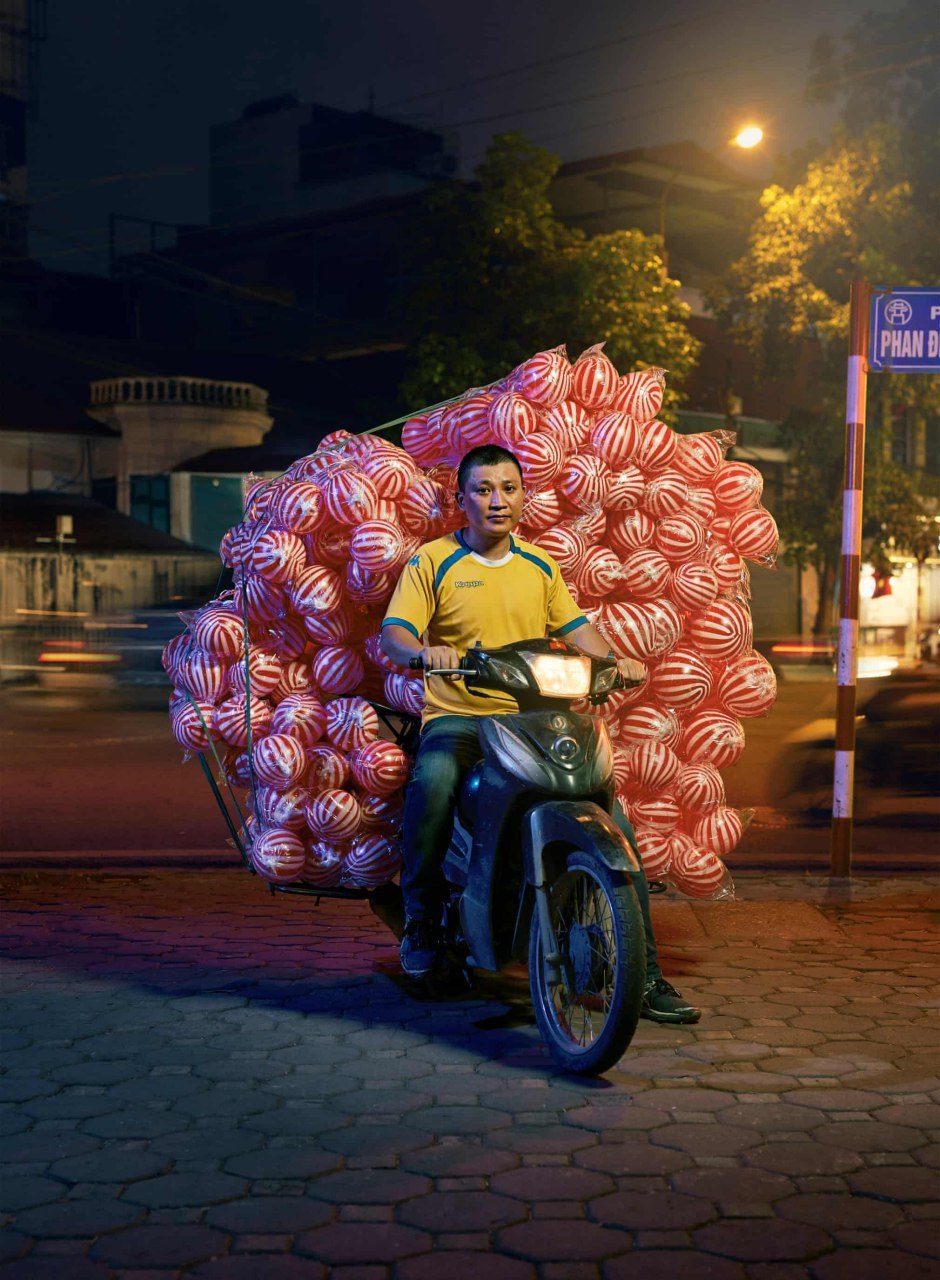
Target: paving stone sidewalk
<point x="205" y="1080"/>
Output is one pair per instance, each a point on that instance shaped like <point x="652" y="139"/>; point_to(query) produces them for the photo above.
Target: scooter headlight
<point x="560" y="675"/>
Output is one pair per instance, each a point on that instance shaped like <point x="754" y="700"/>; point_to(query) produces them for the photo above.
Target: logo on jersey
<point x="474" y="583"/>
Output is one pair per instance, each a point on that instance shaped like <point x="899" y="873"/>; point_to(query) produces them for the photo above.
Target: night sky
<point x="128" y="91"/>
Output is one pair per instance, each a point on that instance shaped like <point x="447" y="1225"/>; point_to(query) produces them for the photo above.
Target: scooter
<point x="536" y="866"/>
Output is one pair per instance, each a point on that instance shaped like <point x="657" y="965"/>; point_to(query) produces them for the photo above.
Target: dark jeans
<point x="449" y="747"/>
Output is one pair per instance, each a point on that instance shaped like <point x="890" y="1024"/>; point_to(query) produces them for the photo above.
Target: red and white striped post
<point x="847" y="668"/>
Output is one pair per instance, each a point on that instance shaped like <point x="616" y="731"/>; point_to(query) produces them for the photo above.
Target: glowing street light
<point x="749" y="137"/>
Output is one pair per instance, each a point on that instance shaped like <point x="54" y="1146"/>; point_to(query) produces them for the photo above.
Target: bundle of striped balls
<point x="651" y="530"/>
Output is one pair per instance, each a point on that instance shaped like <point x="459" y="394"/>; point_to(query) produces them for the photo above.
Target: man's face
<point x="492" y="499"/>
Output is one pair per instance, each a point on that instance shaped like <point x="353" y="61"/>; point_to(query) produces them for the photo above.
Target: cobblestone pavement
<point x="208" y="1081"/>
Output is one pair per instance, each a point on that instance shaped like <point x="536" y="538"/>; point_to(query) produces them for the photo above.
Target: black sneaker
<point x="662" y="1003"/>
<point x="419" y="948"/>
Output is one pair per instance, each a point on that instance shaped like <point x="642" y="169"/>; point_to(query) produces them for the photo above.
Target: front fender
<point x="573" y="824"/>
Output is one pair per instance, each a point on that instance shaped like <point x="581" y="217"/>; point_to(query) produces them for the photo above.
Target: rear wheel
<point x="588" y="1018"/>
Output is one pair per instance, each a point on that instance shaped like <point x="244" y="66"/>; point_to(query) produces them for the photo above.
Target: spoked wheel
<point x="588" y="1017"/>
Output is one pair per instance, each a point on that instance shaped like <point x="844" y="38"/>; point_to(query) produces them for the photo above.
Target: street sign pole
<point x="847" y="668"/>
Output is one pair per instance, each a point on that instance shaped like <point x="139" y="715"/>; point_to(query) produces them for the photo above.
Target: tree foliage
<point x="497" y="277"/>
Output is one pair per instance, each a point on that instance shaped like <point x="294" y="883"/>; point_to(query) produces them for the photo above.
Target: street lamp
<point x="749" y="137"/>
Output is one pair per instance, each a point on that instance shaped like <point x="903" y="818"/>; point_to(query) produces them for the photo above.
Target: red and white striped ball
<point x="329" y="546"/>
<point x="720" y="528"/>
<point x="544" y="379"/>
<point x="204" y="674"/>
<point x="629" y="531"/>
<point x="281" y="808"/>
<point x="657" y="447"/>
<point x="334" y="627"/>
<point x="337" y="669"/>
<point x="626" y="489"/>
<point x="696" y="872"/>
<point x="334" y="815"/>
<point x="591" y="525"/>
<point x="323" y="864"/>
<point x="367" y="587"/>
<point x="641" y="631"/>
<point x="566" y="547"/>
<point x="542" y="510"/>
<point x="416" y="441"/>
<point x="219" y="630"/>
<point x="474" y="419"/>
<point x="649" y="723"/>
<point x="737" y="486"/>
<point x="653" y="765"/>
<point x="701" y="504"/>
<point x="236" y="768"/>
<point x="450" y="430"/>
<point x="698" y="457"/>
<point x="679" y="538"/>
<point x="570" y="422"/>
<point x="645" y="574"/>
<point x="404" y="694"/>
<point x="279" y="760"/>
<point x="583" y="482"/>
<point x="719" y="830"/>
<point x="372" y="860"/>
<point x="176" y="700"/>
<point x="541" y="457"/>
<point x="725" y="564"/>
<point x="351" y="723"/>
<point x="287" y="638"/>
<point x="666" y="494"/>
<point x="693" y="586"/>
<point x="657" y="813"/>
<point x="753" y="534"/>
<point x="376" y="545"/>
<point x="298" y="506"/>
<point x="512" y="418"/>
<point x="594" y="380"/>
<point x="381" y="767"/>
<point x="276" y="555"/>
<point x="296" y="677"/>
<point x="423" y="506"/>
<point x="301" y="716"/>
<point x="723" y="630"/>
<point x="350" y="496"/>
<point x="238" y="716"/>
<point x="682" y="679"/>
<point x="444" y="474"/>
<point x="258" y="672"/>
<point x="748" y="687"/>
<point x="655" y="852"/>
<point x="699" y="787"/>
<point x="390" y="470"/>
<point x="192" y="724"/>
<point x="641" y="393"/>
<point x="615" y="438"/>
<point x="382" y="813"/>
<point x="712" y="737"/>
<point x="234" y="545"/>
<point x="260" y="599"/>
<point x="258" y="498"/>
<point x="327" y="769"/>
<point x="340" y="440"/>
<point x="173" y="653"/>
<point x="623" y="775"/>
<point x="316" y="590"/>
<point x="278" y="855"/>
<point x="600" y="574"/>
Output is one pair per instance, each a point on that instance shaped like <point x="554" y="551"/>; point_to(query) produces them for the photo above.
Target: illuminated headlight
<point x="560" y="675"/>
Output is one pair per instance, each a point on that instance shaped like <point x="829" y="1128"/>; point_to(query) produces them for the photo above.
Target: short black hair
<point x="484" y="455"/>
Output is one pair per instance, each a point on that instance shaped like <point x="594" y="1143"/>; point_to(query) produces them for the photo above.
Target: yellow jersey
<point x="453" y="596"/>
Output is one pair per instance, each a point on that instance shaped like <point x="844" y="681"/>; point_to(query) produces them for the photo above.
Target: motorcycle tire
<point x="589" y="1018"/>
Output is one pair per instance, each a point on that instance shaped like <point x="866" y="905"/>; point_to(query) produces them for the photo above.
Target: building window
<point x="150" y="501"/>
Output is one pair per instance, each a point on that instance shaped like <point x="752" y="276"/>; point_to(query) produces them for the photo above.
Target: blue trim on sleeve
<point x="447" y="564"/>
<point x="527" y="555"/>
<point x="570" y="626"/>
<point x="401" y="622"/>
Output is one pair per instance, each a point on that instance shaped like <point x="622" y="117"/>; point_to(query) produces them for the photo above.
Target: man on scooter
<point x="482" y="584"/>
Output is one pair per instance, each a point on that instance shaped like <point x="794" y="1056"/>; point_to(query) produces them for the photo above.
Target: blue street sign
<point x="905" y="330"/>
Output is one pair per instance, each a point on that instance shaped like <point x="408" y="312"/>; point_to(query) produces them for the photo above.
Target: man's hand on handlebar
<point x="631" y="671"/>
<point x="440" y="657"/>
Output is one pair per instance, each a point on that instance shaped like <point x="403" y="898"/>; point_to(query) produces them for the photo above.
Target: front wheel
<point x="588" y="1017"/>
